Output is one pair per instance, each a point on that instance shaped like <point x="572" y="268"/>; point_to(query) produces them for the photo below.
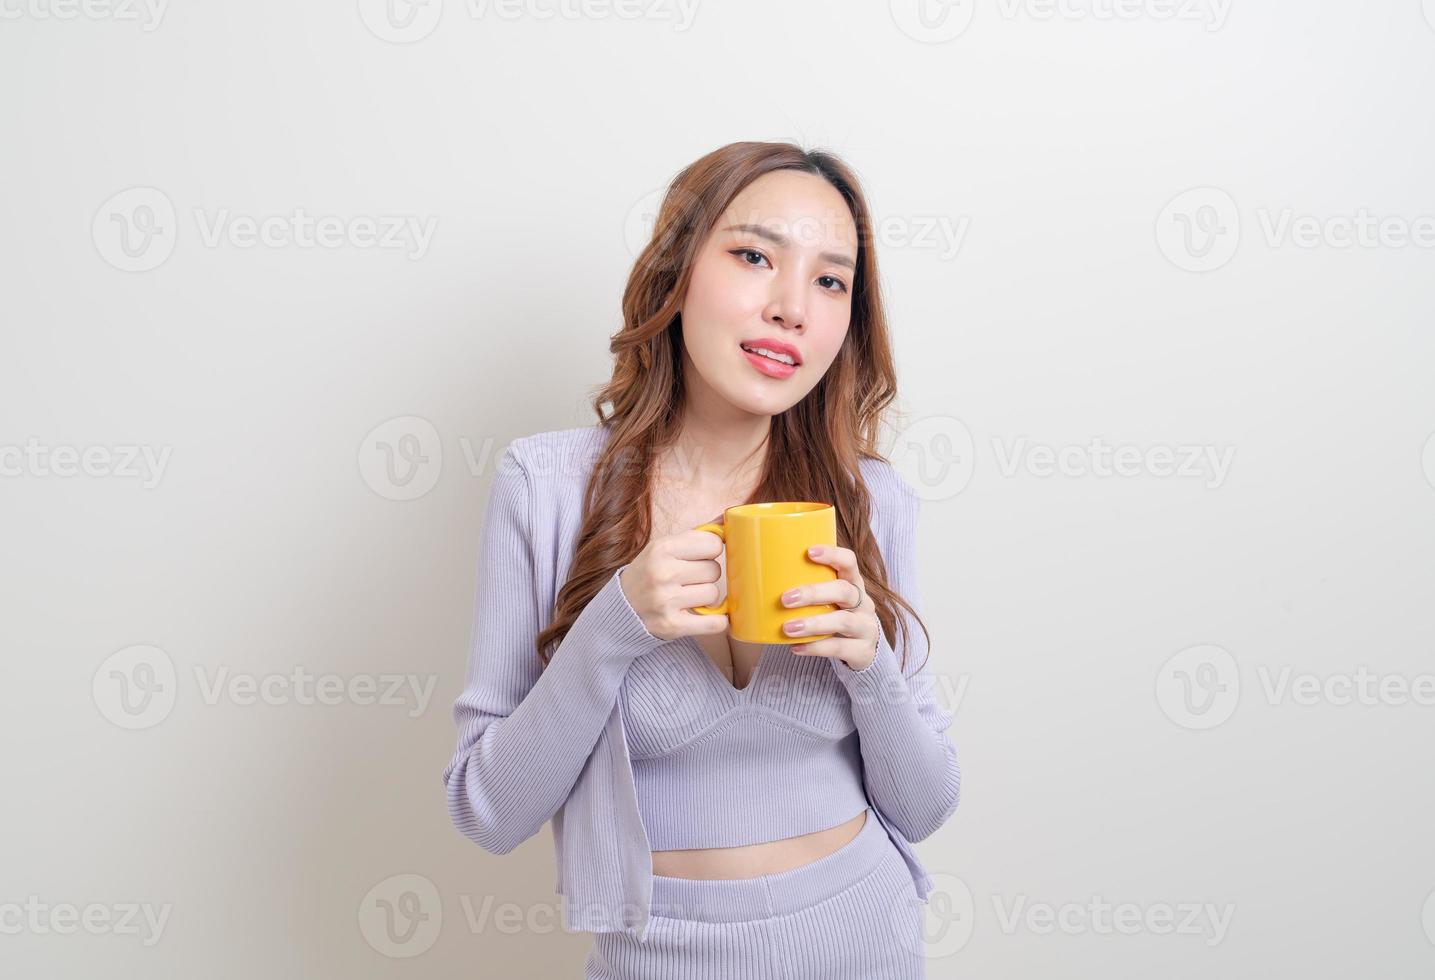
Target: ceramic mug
<point x="766" y="548"/>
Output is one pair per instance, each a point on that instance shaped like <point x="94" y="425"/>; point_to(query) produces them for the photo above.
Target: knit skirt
<point x="853" y="914"/>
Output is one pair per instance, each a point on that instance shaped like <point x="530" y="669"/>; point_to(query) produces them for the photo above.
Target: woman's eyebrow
<point x="782" y="241"/>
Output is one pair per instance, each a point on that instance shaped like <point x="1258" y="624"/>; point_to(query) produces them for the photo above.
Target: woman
<point x="720" y="809"/>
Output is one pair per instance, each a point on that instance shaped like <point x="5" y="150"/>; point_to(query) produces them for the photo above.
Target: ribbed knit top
<point x="716" y="766"/>
<point x="623" y="729"/>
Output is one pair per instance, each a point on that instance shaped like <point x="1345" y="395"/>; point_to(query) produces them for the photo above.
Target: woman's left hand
<point x="855" y="625"/>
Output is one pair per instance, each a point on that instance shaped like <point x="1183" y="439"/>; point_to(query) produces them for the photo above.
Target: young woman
<point x="720" y="809"/>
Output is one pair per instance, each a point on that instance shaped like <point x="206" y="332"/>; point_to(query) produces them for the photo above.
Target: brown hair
<point x="819" y="440"/>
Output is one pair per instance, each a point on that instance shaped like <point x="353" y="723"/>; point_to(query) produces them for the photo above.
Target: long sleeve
<point x="525" y="731"/>
<point x="909" y="765"/>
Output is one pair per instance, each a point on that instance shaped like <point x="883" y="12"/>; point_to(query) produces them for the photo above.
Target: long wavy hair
<point x="819" y="440"/>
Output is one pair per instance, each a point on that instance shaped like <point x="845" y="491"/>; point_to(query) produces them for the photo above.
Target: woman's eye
<point x="830" y="283"/>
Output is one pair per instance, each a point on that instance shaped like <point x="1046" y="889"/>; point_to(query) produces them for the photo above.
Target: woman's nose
<point x="786" y="309"/>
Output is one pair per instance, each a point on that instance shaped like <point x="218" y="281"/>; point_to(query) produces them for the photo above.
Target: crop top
<point x="628" y="743"/>
<point x="715" y="766"/>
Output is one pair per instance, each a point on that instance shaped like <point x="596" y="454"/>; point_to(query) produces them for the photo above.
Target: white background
<point x="1072" y="308"/>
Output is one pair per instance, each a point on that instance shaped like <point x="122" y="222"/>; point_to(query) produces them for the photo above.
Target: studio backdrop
<point x="282" y="281"/>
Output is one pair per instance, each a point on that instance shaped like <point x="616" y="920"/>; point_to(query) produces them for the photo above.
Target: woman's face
<point x="776" y="272"/>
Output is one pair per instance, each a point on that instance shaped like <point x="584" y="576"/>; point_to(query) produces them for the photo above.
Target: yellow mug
<point x="766" y="547"/>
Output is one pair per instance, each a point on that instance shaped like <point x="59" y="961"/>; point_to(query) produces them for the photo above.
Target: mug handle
<point x="721" y="608"/>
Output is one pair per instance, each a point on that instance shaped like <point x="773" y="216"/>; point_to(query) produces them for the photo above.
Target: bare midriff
<point x="751" y="860"/>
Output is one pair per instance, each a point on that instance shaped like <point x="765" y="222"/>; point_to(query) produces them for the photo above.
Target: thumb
<point x="707" y="622"/>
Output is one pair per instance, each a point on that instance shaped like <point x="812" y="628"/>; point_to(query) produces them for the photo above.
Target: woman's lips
<point x="769" y="367"/>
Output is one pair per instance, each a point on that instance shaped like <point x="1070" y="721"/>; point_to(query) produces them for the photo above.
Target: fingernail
<point x="814" y="551"/>
<point x="790" y="598"/>
<point x="793" y="626"/>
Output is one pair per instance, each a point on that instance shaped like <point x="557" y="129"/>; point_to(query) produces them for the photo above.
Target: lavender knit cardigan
<point x="538" y="744"/>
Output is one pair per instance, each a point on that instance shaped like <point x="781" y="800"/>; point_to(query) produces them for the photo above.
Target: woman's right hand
<point x="670" y="576"/>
